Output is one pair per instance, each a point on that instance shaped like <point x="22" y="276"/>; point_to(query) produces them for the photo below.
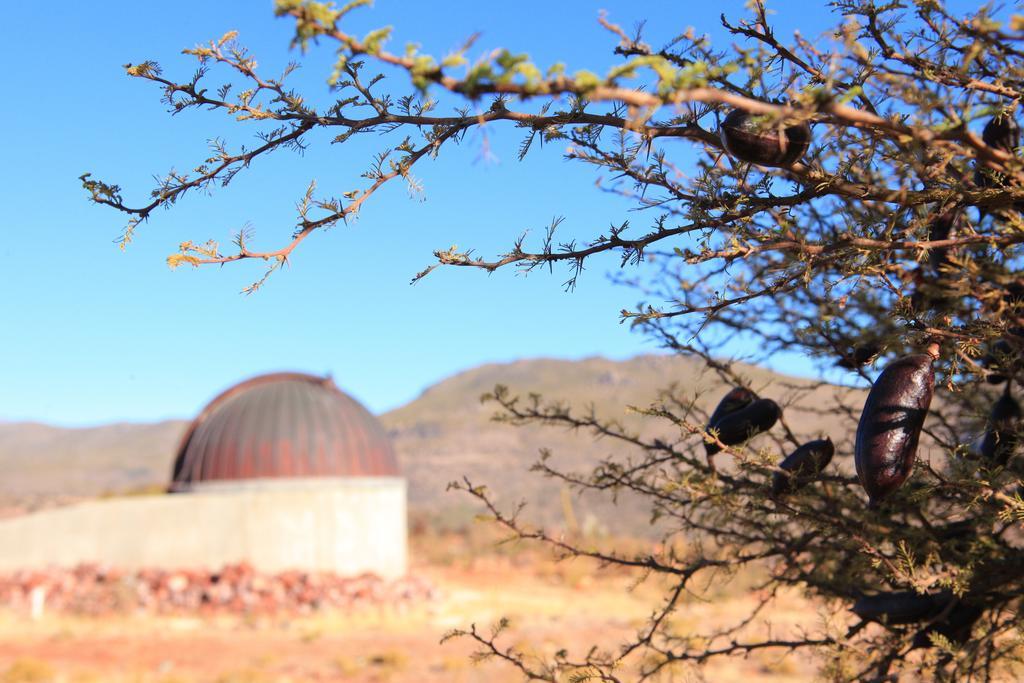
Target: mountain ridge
<point x="443" y="434"/>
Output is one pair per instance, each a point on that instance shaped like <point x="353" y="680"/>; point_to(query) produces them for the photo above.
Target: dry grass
<point x="551" y="605"/>
<point x="28" y="671"/>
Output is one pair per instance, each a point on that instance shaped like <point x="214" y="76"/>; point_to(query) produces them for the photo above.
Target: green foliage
<point x="313" y="19"/>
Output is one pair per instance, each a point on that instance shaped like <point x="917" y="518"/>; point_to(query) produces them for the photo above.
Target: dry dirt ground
<point x="551" y="605"/>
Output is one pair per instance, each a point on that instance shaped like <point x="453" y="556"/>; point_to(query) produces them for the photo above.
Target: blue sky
<point x="93" y="335"/>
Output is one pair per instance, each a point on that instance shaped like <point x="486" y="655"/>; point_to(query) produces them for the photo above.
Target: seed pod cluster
<point x="752" y="138"/>
<point x="802" y="466"/>
<point x="1003" y="133"/>
<point x="739" y="416"/>
<point x="955" y="627"/>
<point x="737" y="398"/>
<point x="905" y="607"/>
<point x="890" y="424"/>
<point x="1001" y="434"/>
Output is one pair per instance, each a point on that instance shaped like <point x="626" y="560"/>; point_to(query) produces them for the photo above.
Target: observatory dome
<point x="282" y="425"/>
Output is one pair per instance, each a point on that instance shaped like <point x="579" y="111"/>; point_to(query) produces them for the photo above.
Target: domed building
<point x="283" y="471"/>
<point x="281" y="427"/>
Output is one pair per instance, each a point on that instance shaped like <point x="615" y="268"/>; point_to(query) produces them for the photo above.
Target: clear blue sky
<point x="91" y="334"/>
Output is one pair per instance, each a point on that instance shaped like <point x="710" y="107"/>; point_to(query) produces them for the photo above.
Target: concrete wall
<point x="349" y="526"/>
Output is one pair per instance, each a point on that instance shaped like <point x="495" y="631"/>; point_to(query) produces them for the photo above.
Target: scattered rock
<point x="93" y="590"/>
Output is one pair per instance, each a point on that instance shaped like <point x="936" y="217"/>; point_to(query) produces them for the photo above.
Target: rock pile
<point x="235" y="589"/>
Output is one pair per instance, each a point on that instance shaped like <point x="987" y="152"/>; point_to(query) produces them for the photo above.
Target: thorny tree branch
<point x="897" y="230"/>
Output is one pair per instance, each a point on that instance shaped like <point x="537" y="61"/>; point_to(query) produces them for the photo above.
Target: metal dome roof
<point x="282" y="425"/>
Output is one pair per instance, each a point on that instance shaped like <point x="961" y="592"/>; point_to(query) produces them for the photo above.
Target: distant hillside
<point x="447" y="432"/>
<point x="41" y="461"/>
<point x="442" y="435"/>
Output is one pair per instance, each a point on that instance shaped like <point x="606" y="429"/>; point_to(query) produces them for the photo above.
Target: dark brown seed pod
<point x="994" y="377"/>
<point x="860" y="355"/>
<point x="756" y="139"/>
<point x="956" y="627"/>
<point x="890" y="424"/>
<point x="1003" y="360"/>
<point x="987" y="178"/>
<point x="1001" y="437"/>
<point x="803" y="465"/>
<point x="740" y="425"/>
<point x="999" y="361"/>
<point x="905" y="607"/>
<point x="931" y="295"/>
<point x="1013" y="293"/>
<point x="1002" y="132"/>
<point x="941" y="227"/>
<point x="964" y="528"/>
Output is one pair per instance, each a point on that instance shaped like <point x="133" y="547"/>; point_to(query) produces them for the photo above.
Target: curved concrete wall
<point x="348" y="526"/>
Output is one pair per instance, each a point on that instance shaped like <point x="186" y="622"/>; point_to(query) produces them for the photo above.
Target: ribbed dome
<point x="282" y="425"/>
